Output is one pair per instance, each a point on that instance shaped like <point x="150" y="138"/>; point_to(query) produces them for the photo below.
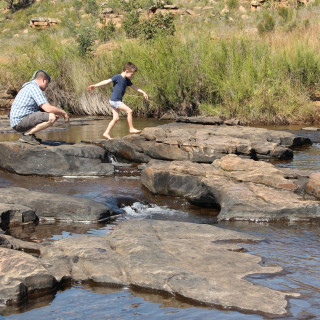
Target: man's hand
<point x="53" y="117"/>
<point x="91" y="87"/>
<point x="66" y="117"/>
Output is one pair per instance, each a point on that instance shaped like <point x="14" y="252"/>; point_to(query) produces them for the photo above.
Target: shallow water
<point x="294" y="246"/>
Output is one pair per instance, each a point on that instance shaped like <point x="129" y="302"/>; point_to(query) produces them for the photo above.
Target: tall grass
<point x="267" y="78"/>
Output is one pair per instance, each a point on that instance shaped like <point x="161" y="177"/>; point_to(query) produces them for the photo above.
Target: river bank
<point x="125" y="184"/>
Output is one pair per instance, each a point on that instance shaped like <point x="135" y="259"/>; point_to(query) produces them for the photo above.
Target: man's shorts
<point x="31" y="120"/>
<point x="115" y="104"/>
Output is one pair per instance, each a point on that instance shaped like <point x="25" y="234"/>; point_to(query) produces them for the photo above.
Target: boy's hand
<point x="145" y="95"/>
<point x="91" y="87"/>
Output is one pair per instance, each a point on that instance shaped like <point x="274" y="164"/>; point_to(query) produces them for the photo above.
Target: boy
<point x="120" y="83"/>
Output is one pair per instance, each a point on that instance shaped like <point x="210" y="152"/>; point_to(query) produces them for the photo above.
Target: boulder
<point x="313" y="185"/>
<point x="54" y="207"/>
<point x="200" y="141"/>
<point x="242" y="189"/>
<point x="201" y="263"/>
<point x="60" y="160"/>
<point x="22" y="277"/>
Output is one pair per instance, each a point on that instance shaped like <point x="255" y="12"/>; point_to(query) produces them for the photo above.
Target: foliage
<point x="131" y="24"/>
<point x="106" y="33"/>
<point x="85" y="38"/>
<point x="92" y="7"/>
<point x="159" y="24"/>
<point x="266" y="24"/>
<point x="17" y="5"/>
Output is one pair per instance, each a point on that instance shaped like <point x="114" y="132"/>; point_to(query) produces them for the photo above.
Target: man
<point x="25" y="114"/>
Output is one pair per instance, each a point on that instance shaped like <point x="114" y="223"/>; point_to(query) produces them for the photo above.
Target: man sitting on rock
<point x="26" y="115"/>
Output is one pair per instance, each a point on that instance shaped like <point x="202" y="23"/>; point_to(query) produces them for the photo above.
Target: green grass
<point x="212" y="65"/>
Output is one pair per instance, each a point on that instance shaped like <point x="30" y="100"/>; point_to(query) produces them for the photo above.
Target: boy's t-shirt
<point x="119" y="87"/>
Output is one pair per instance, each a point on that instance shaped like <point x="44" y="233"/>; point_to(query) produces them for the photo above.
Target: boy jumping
<point x="120" y="82"/>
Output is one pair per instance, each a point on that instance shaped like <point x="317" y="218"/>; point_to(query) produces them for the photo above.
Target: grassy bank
<point x="209" y="66"/>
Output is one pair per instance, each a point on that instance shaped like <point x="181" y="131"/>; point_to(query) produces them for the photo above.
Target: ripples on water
<point x="293" y="246"/>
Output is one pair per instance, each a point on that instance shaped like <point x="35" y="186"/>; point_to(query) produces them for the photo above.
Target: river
<point x="294" y="246"/>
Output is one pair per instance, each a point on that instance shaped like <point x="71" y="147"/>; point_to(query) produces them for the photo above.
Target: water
<point x="293" y="246"/>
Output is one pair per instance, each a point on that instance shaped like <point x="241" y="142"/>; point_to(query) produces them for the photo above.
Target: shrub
<point x="266" y="24"/>
<point x="131" y="24"/>
<point x="107" y="32"/>
<point x="158" y="24"/>
<point x="92" y="7"/>
<point x="85" y="38"/>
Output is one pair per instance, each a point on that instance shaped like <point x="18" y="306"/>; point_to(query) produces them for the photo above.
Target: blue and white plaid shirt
<point x="28" y="100"/>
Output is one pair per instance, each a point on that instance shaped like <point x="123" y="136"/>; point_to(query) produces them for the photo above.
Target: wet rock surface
<point x="199" y="262"/>
<point x="55" y="160"/>
<point x="202" y="142"/>
<point x="243" y="189"/>
<point x="41" y="205"/>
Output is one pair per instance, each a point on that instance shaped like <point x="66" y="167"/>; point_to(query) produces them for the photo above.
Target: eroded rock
<point x="203" y="142"/>
<point x="243" y="189"/>
<point x="60" y="160"/>
<point x="53" y="206"/>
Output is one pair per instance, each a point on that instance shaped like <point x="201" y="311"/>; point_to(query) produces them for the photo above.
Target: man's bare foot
<point x="134" y="131"/>
<point x="107" y="136"/>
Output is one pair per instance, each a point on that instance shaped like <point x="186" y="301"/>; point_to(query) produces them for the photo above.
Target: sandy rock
<point x="183" y="259"/>
<point x="60" y="160"/>
<point x="55" y="207"/>
<point x="242" y="189"/>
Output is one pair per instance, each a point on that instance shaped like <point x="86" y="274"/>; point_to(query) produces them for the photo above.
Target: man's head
<point x="42" y="78"/>
<point x="130" y="69"/>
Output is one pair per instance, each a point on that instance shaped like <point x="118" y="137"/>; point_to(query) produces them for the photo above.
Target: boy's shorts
<point x="31" y="120"/>
<point x="115" y="104"/>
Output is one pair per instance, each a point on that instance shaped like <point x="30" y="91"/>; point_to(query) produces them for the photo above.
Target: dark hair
<point x="41" y="74"/>
<point x="130" y="66"/>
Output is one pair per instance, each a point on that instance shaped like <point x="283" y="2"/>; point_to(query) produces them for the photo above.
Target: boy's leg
<point x="115" y="118"/>
<point x="125" y="108"/>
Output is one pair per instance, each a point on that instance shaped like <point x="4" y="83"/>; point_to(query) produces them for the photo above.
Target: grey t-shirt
<point x="119" y="87"/>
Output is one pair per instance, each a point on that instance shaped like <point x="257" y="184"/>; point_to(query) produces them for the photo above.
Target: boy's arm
<point x="99" y="84"/>
<point x="140" y="91"/>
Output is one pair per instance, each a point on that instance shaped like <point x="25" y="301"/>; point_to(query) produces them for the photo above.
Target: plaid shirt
<point x="28" y="100"/>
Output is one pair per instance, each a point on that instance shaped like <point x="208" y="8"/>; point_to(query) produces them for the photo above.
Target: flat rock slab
<point x="52" y="206"/>
<point x="22" y="276"/>
<point x="61" y="160"/>
<point x="243" y="189"/>
<point x="204" y="143"/>
<point x="198" y="262"/>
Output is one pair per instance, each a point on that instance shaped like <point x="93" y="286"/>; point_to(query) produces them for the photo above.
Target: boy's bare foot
<point x="107" y="136"/>
<point x="135" y="131"/>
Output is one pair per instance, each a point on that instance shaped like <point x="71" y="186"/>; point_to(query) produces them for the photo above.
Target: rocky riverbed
<point x="207" y="164"/>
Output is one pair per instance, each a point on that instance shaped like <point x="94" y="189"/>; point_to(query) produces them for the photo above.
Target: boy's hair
<point x="130" y="67"/>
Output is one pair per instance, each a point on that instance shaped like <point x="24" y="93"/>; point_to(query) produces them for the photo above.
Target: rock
<point x="204" y="143"/>
<point x="242" y="9"/>
<point x="311" y="129"/>
<point x="242" y="189"/>
<point x="43" y="23"/>
<point x="16" y="244"/>
<point x="107" y="11"/>
<point x="75" y="160"/>
<point x="55" y="207"/>
<point x="197" y="262"/>
<point x="313" y="185"/>
<point x="170" y="7"/>
<point x="14" y="213"/>
<point x="22" y="277"/>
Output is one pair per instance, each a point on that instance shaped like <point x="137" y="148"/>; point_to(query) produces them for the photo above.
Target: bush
<point x="266" y="24"/>
<point x="131" y="24"/>
<point x="92" y="7"/>
<point x="85" y="38"/>
<point x="107" y="32"/>
<point x="158" y="24"/>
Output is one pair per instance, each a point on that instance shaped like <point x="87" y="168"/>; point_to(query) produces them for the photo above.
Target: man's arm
<point x="140" y="91"/>
<point x="99" y="84"/>
<point x="47" y="107"/>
